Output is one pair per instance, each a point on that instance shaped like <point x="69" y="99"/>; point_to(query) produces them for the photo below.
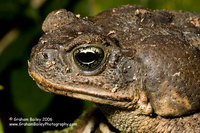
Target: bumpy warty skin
<point x="149" y="78"/>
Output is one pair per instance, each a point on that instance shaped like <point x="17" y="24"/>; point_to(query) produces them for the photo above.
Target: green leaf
<point x="192" y="5"/>
<point x="87" y="7"/>
<point x="92" y="7"/>
<point x="27" y="97"/>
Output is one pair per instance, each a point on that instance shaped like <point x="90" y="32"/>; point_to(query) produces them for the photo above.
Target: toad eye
<point x="88" y="58"/>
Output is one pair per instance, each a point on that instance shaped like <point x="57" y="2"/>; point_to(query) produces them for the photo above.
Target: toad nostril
<point x="45" y="55"/>
<point x="48" y="55"/>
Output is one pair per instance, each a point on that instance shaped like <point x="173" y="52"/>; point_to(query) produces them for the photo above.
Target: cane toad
<point x="141" y="66"/>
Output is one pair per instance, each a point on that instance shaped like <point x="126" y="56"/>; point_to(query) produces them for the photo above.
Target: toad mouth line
<point x="80" y="93"/>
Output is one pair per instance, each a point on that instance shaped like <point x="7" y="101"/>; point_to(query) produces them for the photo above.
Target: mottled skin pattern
<point x="149" y="78"/>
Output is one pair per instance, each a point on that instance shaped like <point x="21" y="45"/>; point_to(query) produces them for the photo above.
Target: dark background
<point x="20" y="29"/>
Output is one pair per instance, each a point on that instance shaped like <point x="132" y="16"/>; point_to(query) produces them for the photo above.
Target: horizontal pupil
<point x="87" y="57"/>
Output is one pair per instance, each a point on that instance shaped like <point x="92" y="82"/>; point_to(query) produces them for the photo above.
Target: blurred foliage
<point x="27" y="102"/>
<point x="1" y="127"/>
<point x="1" y="87"/>
<point x="21" y="22"/>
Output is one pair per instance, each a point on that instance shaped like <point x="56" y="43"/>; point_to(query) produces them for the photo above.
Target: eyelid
<point x="76" y="44"/>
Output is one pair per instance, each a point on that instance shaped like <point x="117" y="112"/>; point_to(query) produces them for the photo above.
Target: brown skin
<point x="146" y="80"/>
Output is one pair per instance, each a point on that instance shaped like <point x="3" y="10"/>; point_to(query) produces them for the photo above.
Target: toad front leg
<point x="92" y="121"/>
